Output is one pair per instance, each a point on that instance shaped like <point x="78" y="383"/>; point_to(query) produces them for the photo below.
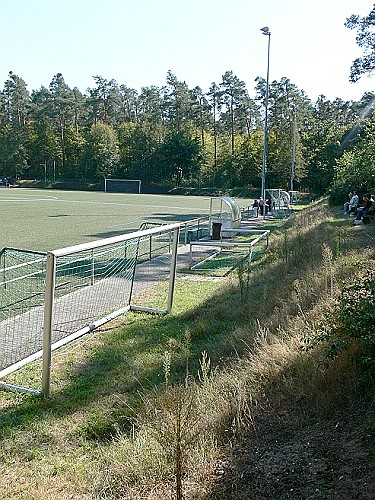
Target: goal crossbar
<point x="122" y="185"/>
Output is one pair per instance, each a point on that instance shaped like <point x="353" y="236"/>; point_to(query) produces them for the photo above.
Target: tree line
<point x="175" y="135"/>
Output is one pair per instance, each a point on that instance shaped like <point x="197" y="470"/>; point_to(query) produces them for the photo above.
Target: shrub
<point x="352" y="321"/>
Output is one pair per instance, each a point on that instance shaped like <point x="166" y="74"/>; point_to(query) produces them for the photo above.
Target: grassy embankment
<point x="149" y="407"/>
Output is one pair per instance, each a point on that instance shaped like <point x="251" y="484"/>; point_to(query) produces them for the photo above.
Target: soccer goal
<point x="122" y="185"/>
<point x="280" y="199"/>
<point x="69" y="292"/>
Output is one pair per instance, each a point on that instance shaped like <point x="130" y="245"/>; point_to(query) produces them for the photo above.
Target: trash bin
<point x="216" y="230"/>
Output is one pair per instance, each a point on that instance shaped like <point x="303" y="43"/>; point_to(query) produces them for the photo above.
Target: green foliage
<point x="13" y="150"/>
<point x="179" y="153"/>
<point x="213" y="139"/>
<point x="103" y="154"/>
<point x="366" y="40"/>
<point x="356" y="168"/>
<point x="351" y="322"/>
<point x="322" y="143"/>
<point x="289" y="113"/>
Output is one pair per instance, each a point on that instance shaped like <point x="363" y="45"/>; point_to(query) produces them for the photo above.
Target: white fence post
<point x="47" y="328"/>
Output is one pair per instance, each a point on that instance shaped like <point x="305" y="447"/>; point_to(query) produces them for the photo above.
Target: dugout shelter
<point x="225" y="214"/>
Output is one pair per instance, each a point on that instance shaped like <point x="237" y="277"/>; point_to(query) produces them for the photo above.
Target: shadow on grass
<point x="304" y="424"/>
<point x="129" y="359"/>
<point x="156" y="218"/>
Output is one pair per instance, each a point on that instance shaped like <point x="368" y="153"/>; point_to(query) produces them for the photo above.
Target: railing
<point x="219" y="244"/>
<point x="194" y="229"/>
<point x="190" y="230"/>
<point x="76" y="289"/>
<point x="247" y="212"/>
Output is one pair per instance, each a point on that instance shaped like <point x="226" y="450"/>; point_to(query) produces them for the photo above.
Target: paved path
<point x="22" y="335"/>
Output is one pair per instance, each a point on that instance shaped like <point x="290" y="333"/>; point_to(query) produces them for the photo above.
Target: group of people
<point x="354" y="209"/>
<point x="262" y="207"/>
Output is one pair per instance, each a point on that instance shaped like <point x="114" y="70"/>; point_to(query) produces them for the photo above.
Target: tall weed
<point x="280" y="307"/>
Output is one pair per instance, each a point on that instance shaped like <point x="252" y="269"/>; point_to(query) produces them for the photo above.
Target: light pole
<point x="293" y="151"/>
<point x="266" y="32"/>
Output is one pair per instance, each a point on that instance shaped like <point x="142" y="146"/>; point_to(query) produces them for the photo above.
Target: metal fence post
<point x="92" y="267"/>
<point x="48" y="321"/>
<point x="172" y="276"/>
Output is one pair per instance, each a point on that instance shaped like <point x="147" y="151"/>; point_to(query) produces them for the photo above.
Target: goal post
<point x="84" y="287"/>
<point x="122" y="185"/>
<point x="280" y="198"/>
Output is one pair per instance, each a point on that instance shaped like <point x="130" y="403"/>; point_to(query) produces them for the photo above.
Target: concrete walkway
<point x="22" y="336"/>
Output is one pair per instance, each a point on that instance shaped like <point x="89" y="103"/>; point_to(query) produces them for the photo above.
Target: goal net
<point x="122" y="185"/>
<point x="69" y="292"/>
<point x="280" y="199"/>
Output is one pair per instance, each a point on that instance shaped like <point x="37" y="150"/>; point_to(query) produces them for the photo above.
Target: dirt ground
<point x="285" y="457"/>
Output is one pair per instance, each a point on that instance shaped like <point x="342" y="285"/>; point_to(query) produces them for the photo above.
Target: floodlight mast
<point x="265" y="31"/>
<point x="293" y="149"/>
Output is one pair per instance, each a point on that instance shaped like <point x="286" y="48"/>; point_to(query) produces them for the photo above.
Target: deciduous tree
<point x="102" y="151"/>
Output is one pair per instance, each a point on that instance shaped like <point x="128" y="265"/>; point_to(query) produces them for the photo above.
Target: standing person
<point x="256" y="208"/>
<point x="269" y="205"/>
<point x="261" y="205"/>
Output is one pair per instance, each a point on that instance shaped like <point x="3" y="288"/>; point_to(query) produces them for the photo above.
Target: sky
<point x="136" y="42"/>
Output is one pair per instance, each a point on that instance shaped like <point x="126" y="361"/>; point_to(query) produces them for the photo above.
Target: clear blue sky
<point x="136" y="42"/>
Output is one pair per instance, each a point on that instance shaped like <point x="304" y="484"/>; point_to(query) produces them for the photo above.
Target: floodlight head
<point x="265" y="30"/>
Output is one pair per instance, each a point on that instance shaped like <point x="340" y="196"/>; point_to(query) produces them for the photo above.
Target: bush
<point x="352" y="322"/>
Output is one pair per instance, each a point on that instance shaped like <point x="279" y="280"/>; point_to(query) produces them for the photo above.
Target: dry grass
<point x="220" y="365"/>
<point x="291" y="293"/>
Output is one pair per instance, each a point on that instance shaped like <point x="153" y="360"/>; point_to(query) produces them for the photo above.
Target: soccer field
<point x="41" y="219"/>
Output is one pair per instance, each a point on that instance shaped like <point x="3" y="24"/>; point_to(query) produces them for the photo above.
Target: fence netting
<point x="88" y="285"/>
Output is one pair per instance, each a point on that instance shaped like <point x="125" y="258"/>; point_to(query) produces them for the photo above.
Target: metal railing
<point x="220" y="245"/>
<point x="190" y="230"/>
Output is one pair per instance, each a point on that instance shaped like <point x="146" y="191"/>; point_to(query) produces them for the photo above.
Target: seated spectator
<point x="347" y="203"/>
<point x="353" y="203"/>
<point x="364" y="208"/>
<point x="370" y="213"/>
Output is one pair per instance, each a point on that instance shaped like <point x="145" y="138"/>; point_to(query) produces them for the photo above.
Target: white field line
<point x="101" y="203"/>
